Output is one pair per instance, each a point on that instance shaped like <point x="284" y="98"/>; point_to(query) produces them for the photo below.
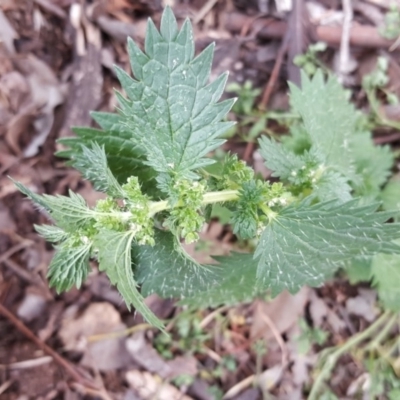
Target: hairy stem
<point x="208" y="198"/>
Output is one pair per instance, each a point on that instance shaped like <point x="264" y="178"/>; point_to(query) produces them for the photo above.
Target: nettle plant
<point x="151" y="159"/>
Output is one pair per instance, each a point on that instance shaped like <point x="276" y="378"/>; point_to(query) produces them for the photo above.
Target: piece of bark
<point x="299" y="25"/>
<point x="87" y="79"/>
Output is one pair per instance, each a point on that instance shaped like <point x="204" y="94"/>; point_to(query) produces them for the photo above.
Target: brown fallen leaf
<point x="14" y="89"/>
<point x="144" y="354"/>
<point x="33" y="304"/>
<point x="98" y="318"/>
<point x="363" y="305"/>
<point x="33" y="93"/>
<point x="320" y="313"/>
<point x="283" y="312"/>
<point x="7" y="33"/>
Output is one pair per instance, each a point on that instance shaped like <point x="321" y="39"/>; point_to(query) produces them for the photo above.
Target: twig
<point x="35" y="362"/>
<point x="5" y="386"/>
<point x="378" y="339"/>
<point x="248" y="150"/>
<point x="239" y="387"/>
<point x="69" y="368"/>
<point x="117" y="334"/>
<point x="275" y="71"/>
<point x="27" y="276"/>
<point x="395" y="45"/>
<point x="206" y="320"/>
<point x="204" y="11"/>
<point x="394" y="137"/>
<point x="91" y="392"/>
<point x="6" y="255"/>
<point x="344" y="53"/>
<point x="360" y="35"/>
<point x="52" y="8"/>
<point x="278" y="337"/>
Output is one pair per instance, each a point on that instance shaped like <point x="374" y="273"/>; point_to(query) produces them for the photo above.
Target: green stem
<point x="381" y="336"/>
<point x="335" y="355"/>
<point x="208" y="198"/>
<point x="381" y="119"/>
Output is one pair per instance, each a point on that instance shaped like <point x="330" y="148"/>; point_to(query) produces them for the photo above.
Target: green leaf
<point x="237" y="283"/>
<point x="51" y="233"/>
<point x="390" y="195"/>
<point x="123" y="156"/>
<point x="304" y="244"/>
<point x="298" y="140"/>
<point x="386" y="277"/>
<point x="245" y="217"/>
<point x="69" y="266"/>
<point x="358" y="269"/>
<point x="114" y="255"/>
<point x="171" y="119"/>
<point x="332" y="186"/>
<point x="167" y="270"/>
<point x="281" y="161"/>
<point x="69" y="213"/>
<point x="297" y="170"/>
<point x="223" y="214"/>
<point x="329" y="118"/>
<point x="373" y="164"/>
<point x="171" y="114"/>
<point x="92" y="164"/>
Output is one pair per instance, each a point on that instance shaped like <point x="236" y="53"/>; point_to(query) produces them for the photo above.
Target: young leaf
<point x="68" y="212"/>
<point x="386" y="277"/>
<point x="332" y="186"/>
<point x="296" y="169"/>
<point x="123" y="156"/>
<point x="69" y="266"/>
<point x="167" y="270"/>
<point x="280" y="160"/>
<point x="390" y="195"/>
<point x="171" y="114"/>
<point x="304" y="244"/>
<point x="51" y="233"/>
<point x="373" y="164"/>
<point x="92" y="163"/>
<point x="329" y="118"/>
<point x="114" y="255"/>
<point x="358" y="269"/>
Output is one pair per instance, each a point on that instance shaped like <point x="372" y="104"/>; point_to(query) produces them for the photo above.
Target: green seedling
<point x="309" y="61"/>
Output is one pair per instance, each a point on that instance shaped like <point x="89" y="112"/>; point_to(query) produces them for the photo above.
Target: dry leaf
<point x="105" y="354"/>
<point x="150" y="387"/>
<point x="283" y="312"/>
<point x="363" y="305"/>
<point x="144" y="354"/>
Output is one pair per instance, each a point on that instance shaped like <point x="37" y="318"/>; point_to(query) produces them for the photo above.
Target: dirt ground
<point x="56" y="65"/>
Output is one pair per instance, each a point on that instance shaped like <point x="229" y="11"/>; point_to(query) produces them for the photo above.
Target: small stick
<point x="204" y="11"/>
<point x="394" y="137"/>
<point x="275" y="71"/>
<point x="35" y="362"/>
<point x="5" y="385"/>
<point x="7" y="254"/>
<point x="69" y="368"/>
<point x="278" y="338"/>
<point x="344" y="52"/>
